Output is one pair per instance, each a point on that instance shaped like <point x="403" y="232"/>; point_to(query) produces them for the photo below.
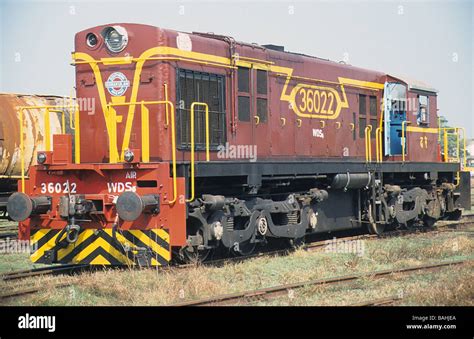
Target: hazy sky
<point x="431" y="41"/>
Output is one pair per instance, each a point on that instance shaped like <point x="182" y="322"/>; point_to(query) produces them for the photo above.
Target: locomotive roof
<point x="277" y="49"/>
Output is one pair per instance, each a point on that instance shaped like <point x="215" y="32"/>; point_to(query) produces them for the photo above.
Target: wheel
<point x="428" y="221"/>
<point x="454" y="215"/>
<point x="195" y="254"/>
<point x="376" y="228"/>
<point x="296" y="243"/>
<point x="413" y="225"/>
<point x="244" y="248"/>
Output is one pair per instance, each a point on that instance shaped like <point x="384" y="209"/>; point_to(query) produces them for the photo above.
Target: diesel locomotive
<point x="197" y="142"/>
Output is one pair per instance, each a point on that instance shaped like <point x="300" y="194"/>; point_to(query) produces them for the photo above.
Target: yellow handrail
<point x="446" y="133"/>
<point x="368" y="146"/>
<point x="194" y="104"/>
<point x="146" y="135"/>
<point x="48" y="109"/>
<point x="378" y="144"/>
<point x="464" y="146"/>
<point x="446" y="142"/>
<point x="47" y="132"/>
<point x="77" y="137"/>
<point x="166" y="106"/>
<point x="404" y="142"/>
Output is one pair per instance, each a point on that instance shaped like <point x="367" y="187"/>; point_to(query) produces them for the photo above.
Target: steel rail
<point x="40" y="271"/>
<point x="376" y="302"/>
<point x="312" y="246"/>
<point x="268" y="292"/>
<point x="31" y="290"/>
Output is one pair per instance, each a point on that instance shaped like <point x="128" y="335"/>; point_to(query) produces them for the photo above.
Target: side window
<point x="362" y="115"/>
<point x="193" y="86"/>
<point x="373" y="105"/>
<point x="243" y="87"/>
<point x="244" y="79"/>
<point x="423" y="116"/>
<point x="262" y="95"/>
<point x="244" y="108"/>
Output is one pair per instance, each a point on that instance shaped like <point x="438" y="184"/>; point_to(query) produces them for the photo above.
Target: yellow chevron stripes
<point x="100" y="260"/>
<point x="65" y="251"/>
<point x="37" y="236"/>
<point x="151" y="243"/>
<point x="36" y="255"/>
<point x="102" y="247"/>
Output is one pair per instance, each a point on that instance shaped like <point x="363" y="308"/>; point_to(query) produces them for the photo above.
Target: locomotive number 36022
<point x="58" y="187"/>
<point x="316" y="101"/>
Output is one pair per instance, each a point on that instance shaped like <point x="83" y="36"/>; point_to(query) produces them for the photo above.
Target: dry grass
<point x="450" y="286"/>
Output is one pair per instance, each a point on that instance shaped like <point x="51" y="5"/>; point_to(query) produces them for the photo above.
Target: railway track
<point x="446" y="226"/>
<point x="31" y="290"/>
<point x="252" y="296"/>
<point x="377" y="302"/>
<point x="313" y="246"/>
<point x="9" y="235"/>
<point x="41" y="271"/>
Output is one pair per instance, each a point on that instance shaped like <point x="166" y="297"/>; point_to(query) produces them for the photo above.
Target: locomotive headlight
<point x="116" y="38"/>
<point x="128" y="156"/>
<point x="41" y="157"/>
<point x="91" y="40"/>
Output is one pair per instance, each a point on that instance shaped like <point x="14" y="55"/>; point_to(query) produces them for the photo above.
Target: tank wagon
<point x="199" y="142"/>
<point x="34" y="138"/>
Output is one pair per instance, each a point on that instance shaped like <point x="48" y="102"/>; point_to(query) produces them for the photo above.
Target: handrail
<point x="48" y="109"/>
<point x="146" y="135"/>
<point x="464" y="146"/>
<point x="368" y="146"/>
<point x="403" y="141"/>
<point x="47" y="132"/>
<point x="166" y="106"/>
<point x="458" y="143"/>
<point x="129" y="60"/>
<point x="77" y="136"/>
<point x="378" y="144"/>
<point x="194" y="104"/>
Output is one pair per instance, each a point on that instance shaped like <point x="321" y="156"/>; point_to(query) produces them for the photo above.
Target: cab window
<point x="423" y="116"/>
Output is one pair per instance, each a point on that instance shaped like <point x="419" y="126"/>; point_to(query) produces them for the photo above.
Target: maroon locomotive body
<point x="197" y="142"/>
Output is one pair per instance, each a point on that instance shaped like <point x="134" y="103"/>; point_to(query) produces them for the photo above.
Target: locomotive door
<point x="395" y="115"/>
<point x="261" y="131"/>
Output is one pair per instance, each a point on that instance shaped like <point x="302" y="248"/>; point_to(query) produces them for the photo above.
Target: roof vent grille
<point x="275" y="47"/>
